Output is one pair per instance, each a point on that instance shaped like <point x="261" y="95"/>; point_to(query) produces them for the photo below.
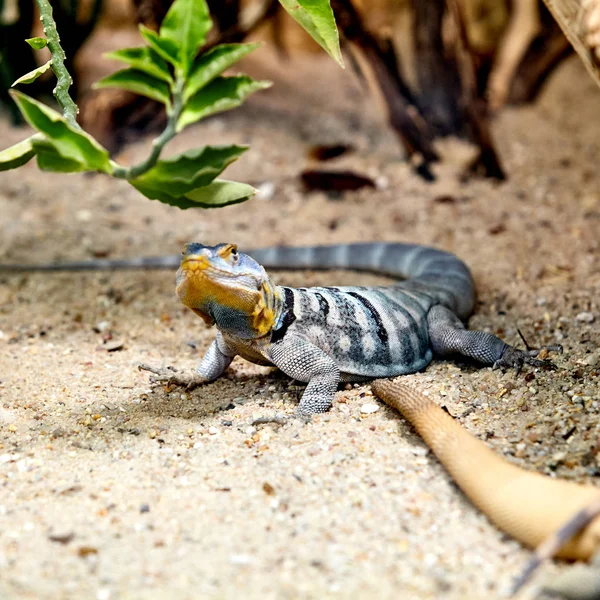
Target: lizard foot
<point x="169" y="376"/>
<point x="516" y="358"/>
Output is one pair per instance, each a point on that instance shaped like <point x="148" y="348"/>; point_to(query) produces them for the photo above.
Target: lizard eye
<point x="229" y="252"/>
<point x="233" y="252"/>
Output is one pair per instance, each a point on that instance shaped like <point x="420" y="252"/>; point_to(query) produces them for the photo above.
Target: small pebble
<point x="368" y="409"/>
<point x="114" y="346"/>
<point x="213" y="430"/>
<point x="102" y="326"/>
<point x="268" y="489"/>
<point x="585" y="317"/>
<point x="61" y="538"/>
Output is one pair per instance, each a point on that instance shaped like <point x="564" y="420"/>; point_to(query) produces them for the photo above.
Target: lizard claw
<point x="516" y="358"/>
<point x="159" y="375"/>
<point x="169" y="376"/>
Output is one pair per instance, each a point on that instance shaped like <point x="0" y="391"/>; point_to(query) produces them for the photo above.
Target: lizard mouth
<point x="198" y="271"/>
<point x="201" y="266"/>
<point x="196" y="263"/>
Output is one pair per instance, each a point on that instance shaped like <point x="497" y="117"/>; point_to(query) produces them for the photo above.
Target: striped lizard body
<point x="325" y="335"/>
<point x="376" y="331"/>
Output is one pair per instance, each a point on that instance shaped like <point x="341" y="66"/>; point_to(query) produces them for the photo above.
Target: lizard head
<point x="228" y="289"/>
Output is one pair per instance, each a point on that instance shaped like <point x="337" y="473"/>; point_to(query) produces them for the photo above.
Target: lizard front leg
<point x="448" y="336"/>
<point x="217" y="358"/>
<point x="304" y="361"/>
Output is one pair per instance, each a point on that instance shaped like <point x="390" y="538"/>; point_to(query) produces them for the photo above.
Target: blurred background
<point x="434" y="68"/>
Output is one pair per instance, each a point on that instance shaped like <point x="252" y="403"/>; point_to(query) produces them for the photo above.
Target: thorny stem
<point x="160" y="142"/>
<point x="64" y="80"/>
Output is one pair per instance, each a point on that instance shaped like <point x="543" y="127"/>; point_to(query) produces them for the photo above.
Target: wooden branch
<point x="524" y="26"/>
<point x="488" y="162"/>
<point x="577" y="20"/>
<point x="403" y="114"/>
<point x="438" y="79"/>
<point x="544" y="54"/>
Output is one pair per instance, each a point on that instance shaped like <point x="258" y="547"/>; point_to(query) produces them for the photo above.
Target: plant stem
<point x="64" y="80"/>
<point x="160" y="142"/>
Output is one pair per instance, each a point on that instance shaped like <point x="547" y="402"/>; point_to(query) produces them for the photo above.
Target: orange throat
<point x="198" y="290"/>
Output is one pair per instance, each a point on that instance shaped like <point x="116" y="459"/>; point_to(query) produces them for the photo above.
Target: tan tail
<point x="526" y="505"/>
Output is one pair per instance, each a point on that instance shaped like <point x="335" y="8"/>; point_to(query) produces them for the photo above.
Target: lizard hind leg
<point x="449" y="337"/>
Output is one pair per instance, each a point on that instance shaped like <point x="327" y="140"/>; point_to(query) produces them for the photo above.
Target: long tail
<point x="442" y="274"/>
<point x="101" y="264"/>
<point x="438" y="272"/>
<point x="526" y="505"/>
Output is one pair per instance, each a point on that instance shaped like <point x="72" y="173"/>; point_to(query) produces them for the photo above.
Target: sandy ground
<point x="111" y="488"/>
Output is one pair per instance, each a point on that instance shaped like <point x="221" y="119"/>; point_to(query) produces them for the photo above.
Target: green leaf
<point x="316" y="17"/>
<point x="186" y="25"/>
<point x="218" y="193"/>
<point x="17" y="155"/>
<point x="155" y="191"/>
<point x="139" y="83"/>
<point x="163" y="47"/>
<point x="37" y="43"/>
<point x="48" y="159"/>
<point x="213" y="63"/>
<point x="143" y="59"/>
<point x="72" y="144"/>
<point x="33" y="75"/>
<point x="189" y="170"/>
<point x="223" y="93"/>
<point x="221" y="193"/>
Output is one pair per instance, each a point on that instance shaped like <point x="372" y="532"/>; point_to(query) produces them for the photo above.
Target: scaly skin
<point x="326" y="335"/>
<point x="528" y="506"/>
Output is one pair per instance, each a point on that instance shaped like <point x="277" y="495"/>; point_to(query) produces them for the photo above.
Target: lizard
<point x="326" y="335"/>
